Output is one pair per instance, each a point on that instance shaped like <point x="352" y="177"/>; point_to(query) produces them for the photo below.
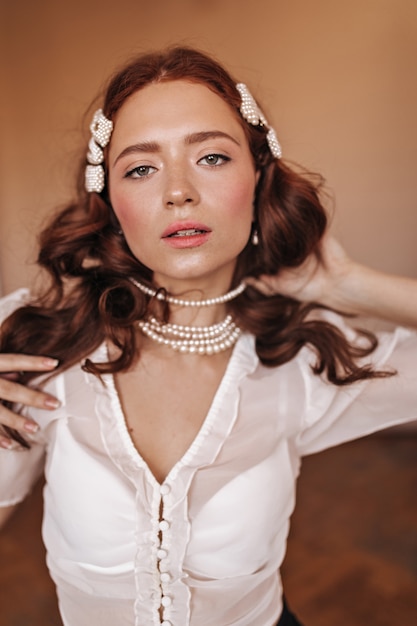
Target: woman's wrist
<point x="367" y="292"/>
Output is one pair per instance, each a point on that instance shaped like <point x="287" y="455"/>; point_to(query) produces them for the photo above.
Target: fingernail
<point x="52" y="403"/>
<point x="6" y="444"/>
<point x="31" y="427"/>
<point x="50" y="362"/>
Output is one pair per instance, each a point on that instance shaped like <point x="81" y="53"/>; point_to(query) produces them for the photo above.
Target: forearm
<point x="370" y="293"/>
<point x="336" y="281"/>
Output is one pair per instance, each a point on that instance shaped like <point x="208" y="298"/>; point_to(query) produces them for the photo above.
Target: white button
<point x="162" y="554"/>
<point x="166" y="601"/>
<point x="164" y="489"/>
<point x="166" y="623"/>
<point x="165" y="577"/>
<point x="163" y="525"/>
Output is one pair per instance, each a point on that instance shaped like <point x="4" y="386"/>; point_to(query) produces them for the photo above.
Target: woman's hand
<point x="11" y="391"/>
<point x="316" y="280"/>
<point x="332" y="279"/>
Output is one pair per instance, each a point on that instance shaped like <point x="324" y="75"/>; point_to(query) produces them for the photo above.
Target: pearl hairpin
<point x="101" y="129"/>
<point x="248" y="107"/>
<point x="94" y="178"/>
<point x="253" y="114"/>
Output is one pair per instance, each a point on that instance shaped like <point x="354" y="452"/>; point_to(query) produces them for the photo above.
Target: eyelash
<point x="223" y="158"/>
<point x="136" y="170"/>
<point x="142" y="171"/>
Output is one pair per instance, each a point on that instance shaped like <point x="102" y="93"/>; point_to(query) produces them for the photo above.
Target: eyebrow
<point x="193" y="138"/>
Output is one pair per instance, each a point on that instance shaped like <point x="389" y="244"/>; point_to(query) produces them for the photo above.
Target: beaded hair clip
<point x="101" y="129"/>
<point x="253" y="114"/>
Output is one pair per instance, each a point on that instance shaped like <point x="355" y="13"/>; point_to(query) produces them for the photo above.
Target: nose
<point x="180" y="190"/>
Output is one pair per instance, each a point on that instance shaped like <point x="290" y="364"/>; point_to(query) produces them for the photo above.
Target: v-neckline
<point x="127" y="453"/>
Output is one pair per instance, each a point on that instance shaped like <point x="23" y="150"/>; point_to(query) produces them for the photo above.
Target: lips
<point x="183" y="235"/>
<point x="185" y="229"/>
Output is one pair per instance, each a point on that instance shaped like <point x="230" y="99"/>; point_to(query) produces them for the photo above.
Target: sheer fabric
<point x="205" y="547"/>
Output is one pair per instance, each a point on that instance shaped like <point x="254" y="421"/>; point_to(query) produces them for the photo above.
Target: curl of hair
<point x="90" y="297"/>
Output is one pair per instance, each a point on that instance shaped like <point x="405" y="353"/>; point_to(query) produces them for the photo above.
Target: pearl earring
<point x="255" y="237"/>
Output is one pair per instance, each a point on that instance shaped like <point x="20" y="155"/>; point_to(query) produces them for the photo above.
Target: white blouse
<point x="204" y="547"/>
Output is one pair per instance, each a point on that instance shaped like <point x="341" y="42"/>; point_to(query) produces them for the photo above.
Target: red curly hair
<point x="90" y="297"/>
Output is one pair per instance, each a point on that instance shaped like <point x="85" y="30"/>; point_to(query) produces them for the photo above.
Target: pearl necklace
<point x="161" y="295"/>
<point x="193" y="339"/>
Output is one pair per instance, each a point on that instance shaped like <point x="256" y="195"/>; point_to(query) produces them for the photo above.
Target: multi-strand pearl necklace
<point x="193" y="339"/>
<point x="202" y="340"/>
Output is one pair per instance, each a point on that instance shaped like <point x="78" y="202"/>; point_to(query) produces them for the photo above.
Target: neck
<point x="196" y="316"/>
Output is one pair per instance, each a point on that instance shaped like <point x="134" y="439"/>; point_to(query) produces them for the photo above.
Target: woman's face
<point x="182" y="184"/>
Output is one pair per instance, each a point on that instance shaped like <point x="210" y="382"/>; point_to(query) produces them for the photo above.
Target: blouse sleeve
<point x="19" y="468"/>
<point x="333" y="414"/>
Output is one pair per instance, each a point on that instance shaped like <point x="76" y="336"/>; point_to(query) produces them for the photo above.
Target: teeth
<point x="187" y="233"/>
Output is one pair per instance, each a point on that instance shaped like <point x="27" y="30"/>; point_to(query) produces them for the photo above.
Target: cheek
<point x="127" y="211"/>
<point x="240" y="199"/>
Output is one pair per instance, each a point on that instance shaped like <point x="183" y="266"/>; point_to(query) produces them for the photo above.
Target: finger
<point x="20" y="394"/>
<point x="5" y="443"/>
<point x="10" y="375"/>
<point x="15" y="422"/>
<point x="12" y="439"/>
<point x="26" y="363"/>
<point x="11" y="424"/>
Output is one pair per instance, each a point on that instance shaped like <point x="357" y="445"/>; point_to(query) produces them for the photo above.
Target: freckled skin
<point x="177" y="181"/>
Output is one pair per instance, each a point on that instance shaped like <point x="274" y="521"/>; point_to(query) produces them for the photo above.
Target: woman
<point x="187" y="372"/>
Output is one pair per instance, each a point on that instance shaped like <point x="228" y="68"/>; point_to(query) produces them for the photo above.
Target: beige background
<point x="337" y="78"/>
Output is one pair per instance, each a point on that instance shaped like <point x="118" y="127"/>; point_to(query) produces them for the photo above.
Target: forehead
<point x="165" y="106"/>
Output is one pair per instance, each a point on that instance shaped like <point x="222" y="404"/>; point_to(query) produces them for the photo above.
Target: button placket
<point x="163" y="558"/>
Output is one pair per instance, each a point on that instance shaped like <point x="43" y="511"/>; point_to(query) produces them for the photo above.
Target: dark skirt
<point x="287" y="618"/>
